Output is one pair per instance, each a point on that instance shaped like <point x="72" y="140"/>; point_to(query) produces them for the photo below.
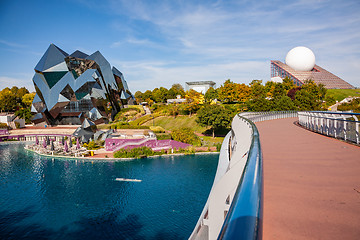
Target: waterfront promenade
<point x="311" y="184"/>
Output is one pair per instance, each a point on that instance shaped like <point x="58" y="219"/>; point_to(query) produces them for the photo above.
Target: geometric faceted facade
<point x="317" y="74"/>
<point x="70" y="88"/>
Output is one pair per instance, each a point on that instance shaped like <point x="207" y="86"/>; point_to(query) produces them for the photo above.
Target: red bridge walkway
<point x="311" y="184"/>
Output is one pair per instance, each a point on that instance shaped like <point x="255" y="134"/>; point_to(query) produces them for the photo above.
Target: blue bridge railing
<point x="244" y="220"/>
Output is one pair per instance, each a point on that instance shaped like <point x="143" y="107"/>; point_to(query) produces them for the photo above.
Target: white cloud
<point x="12" y="44"/>
<point x="19" y="82"/>
<point x="141" y="75"/>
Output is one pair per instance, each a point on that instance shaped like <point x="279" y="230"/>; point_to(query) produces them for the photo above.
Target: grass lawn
<point x="103" y="126"/>
<point x="171" y="123"/>
<point x="340" y="94"/>
<point x="209" y="141"/>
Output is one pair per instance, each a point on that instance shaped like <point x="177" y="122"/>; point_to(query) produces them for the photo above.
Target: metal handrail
<point x="341" y="125"/>
<point x="244" y="219"/>
<point x="240" y="178"/>
<point x="234" y="205"/>
<point x="264" y="116"/>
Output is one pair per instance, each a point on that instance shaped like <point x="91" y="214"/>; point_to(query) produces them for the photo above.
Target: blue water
<point x="45" y="198"/>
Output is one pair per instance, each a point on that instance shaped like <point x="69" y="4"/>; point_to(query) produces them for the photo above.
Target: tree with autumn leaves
<point x="231" y="92"/>
<point x="17" y="100"/>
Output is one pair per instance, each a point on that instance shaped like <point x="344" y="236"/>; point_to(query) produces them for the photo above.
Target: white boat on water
<point x="127" y="180"/>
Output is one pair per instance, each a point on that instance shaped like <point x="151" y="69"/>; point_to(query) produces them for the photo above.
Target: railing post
<point x="356" y="129"/>
<point x="345" y="137"/>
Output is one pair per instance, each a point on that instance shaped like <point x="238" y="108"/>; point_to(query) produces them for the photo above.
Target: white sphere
<point x="300" y="59"/>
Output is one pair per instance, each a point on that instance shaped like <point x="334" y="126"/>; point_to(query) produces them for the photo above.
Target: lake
<point x="54" y="198"/>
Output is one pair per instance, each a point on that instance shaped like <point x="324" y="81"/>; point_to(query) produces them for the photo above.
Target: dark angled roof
<point x="79" y="54"/>
<point x="201" y="83"/>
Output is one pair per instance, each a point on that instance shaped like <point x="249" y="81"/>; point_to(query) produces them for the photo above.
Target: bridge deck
<point x="311" y="184"/>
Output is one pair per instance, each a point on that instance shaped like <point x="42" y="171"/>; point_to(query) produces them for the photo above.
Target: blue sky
<point x="159" y="43"/>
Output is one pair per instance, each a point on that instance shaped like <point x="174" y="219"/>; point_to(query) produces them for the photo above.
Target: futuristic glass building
<point x="300" y="66"/>
<point x="70" y="88"/>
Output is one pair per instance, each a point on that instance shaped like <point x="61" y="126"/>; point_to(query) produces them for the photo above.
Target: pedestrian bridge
<point x="298" y="185"/>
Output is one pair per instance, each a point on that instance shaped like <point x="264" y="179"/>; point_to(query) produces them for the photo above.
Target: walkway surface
<point x="311" y="184"/>
<point x="66" y="129"/>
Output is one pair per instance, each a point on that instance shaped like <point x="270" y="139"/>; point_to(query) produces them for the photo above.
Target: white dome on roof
<point x="300" y="59"/>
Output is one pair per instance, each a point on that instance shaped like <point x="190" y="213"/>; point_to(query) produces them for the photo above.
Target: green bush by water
<point x="186" y="135"/>
<point x="146" y="152"/>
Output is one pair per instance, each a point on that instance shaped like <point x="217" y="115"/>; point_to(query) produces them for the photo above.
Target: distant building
<point x="300" y="66"/>
<point x="11" y="119"/>
<point x="178" y="99"/>
<point x="200" y="86"/>
<point x="70" y="88"/>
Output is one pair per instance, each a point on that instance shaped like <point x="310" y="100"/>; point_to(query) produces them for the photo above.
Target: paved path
<point x="311" y="184"/>
<point x="62" y="129"/>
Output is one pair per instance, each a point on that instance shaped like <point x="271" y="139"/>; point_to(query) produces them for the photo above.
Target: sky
<point x="162" y="42"/>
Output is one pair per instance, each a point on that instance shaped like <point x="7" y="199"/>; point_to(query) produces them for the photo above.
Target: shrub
<point x="188" y="150"/>
<point x="353" y="105"/>
<point x="165" y="136"/>
<point x="91" y="145"/>
<point x="186" y="135"/>
<point x="4" y="125"/>
<point x="124" y="125"/>
<point x="17" y="125"/>
<point x="126" y="114"/>
<point x="9" y="139"/>
<point x="137" y="107"/>
<point x="134" y="152"/>
<point x="218" y="147"/>
<point x="157" y="129"/>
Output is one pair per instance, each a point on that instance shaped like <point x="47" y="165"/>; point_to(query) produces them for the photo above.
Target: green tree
<point x="139" y="97"/>
<point x="214" y="116"/>
<point x="24" y="113"/>
<point x="233" y="92"/>
<point x="283" y="103"/>
<point x="330" y="100"/>
<point x="8" y="100"/>
<point x="318" y="90"/>
<point x="257" y="89"/>
<point x="193" y="96"/>
<point x="305" y="101"/>
<point x="160" y="94"/>
<point x="174" y="110"/>
<point x="258" y="101"/>
<point x="310" y="96"/>
<point x="288" y="84"/>
<point x="243" y="92"/>
<point x="175" y="90"/>
<point x="211" y="94"/>
<point x="269" y="88"/>
<point x="278" y="91"/>
<point x="27" y="99"/>
<point x="191" y="107"/>
<point x="147" y="95"/>
<point x="227" y="91"/>
<point x="259" y="105"/>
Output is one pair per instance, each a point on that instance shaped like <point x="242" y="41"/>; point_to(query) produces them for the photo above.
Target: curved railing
<point x="341" y="125"/>
<point x="244" y="220"/>
<point x="264" y="116"/>
<point x="234" y="205"/>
